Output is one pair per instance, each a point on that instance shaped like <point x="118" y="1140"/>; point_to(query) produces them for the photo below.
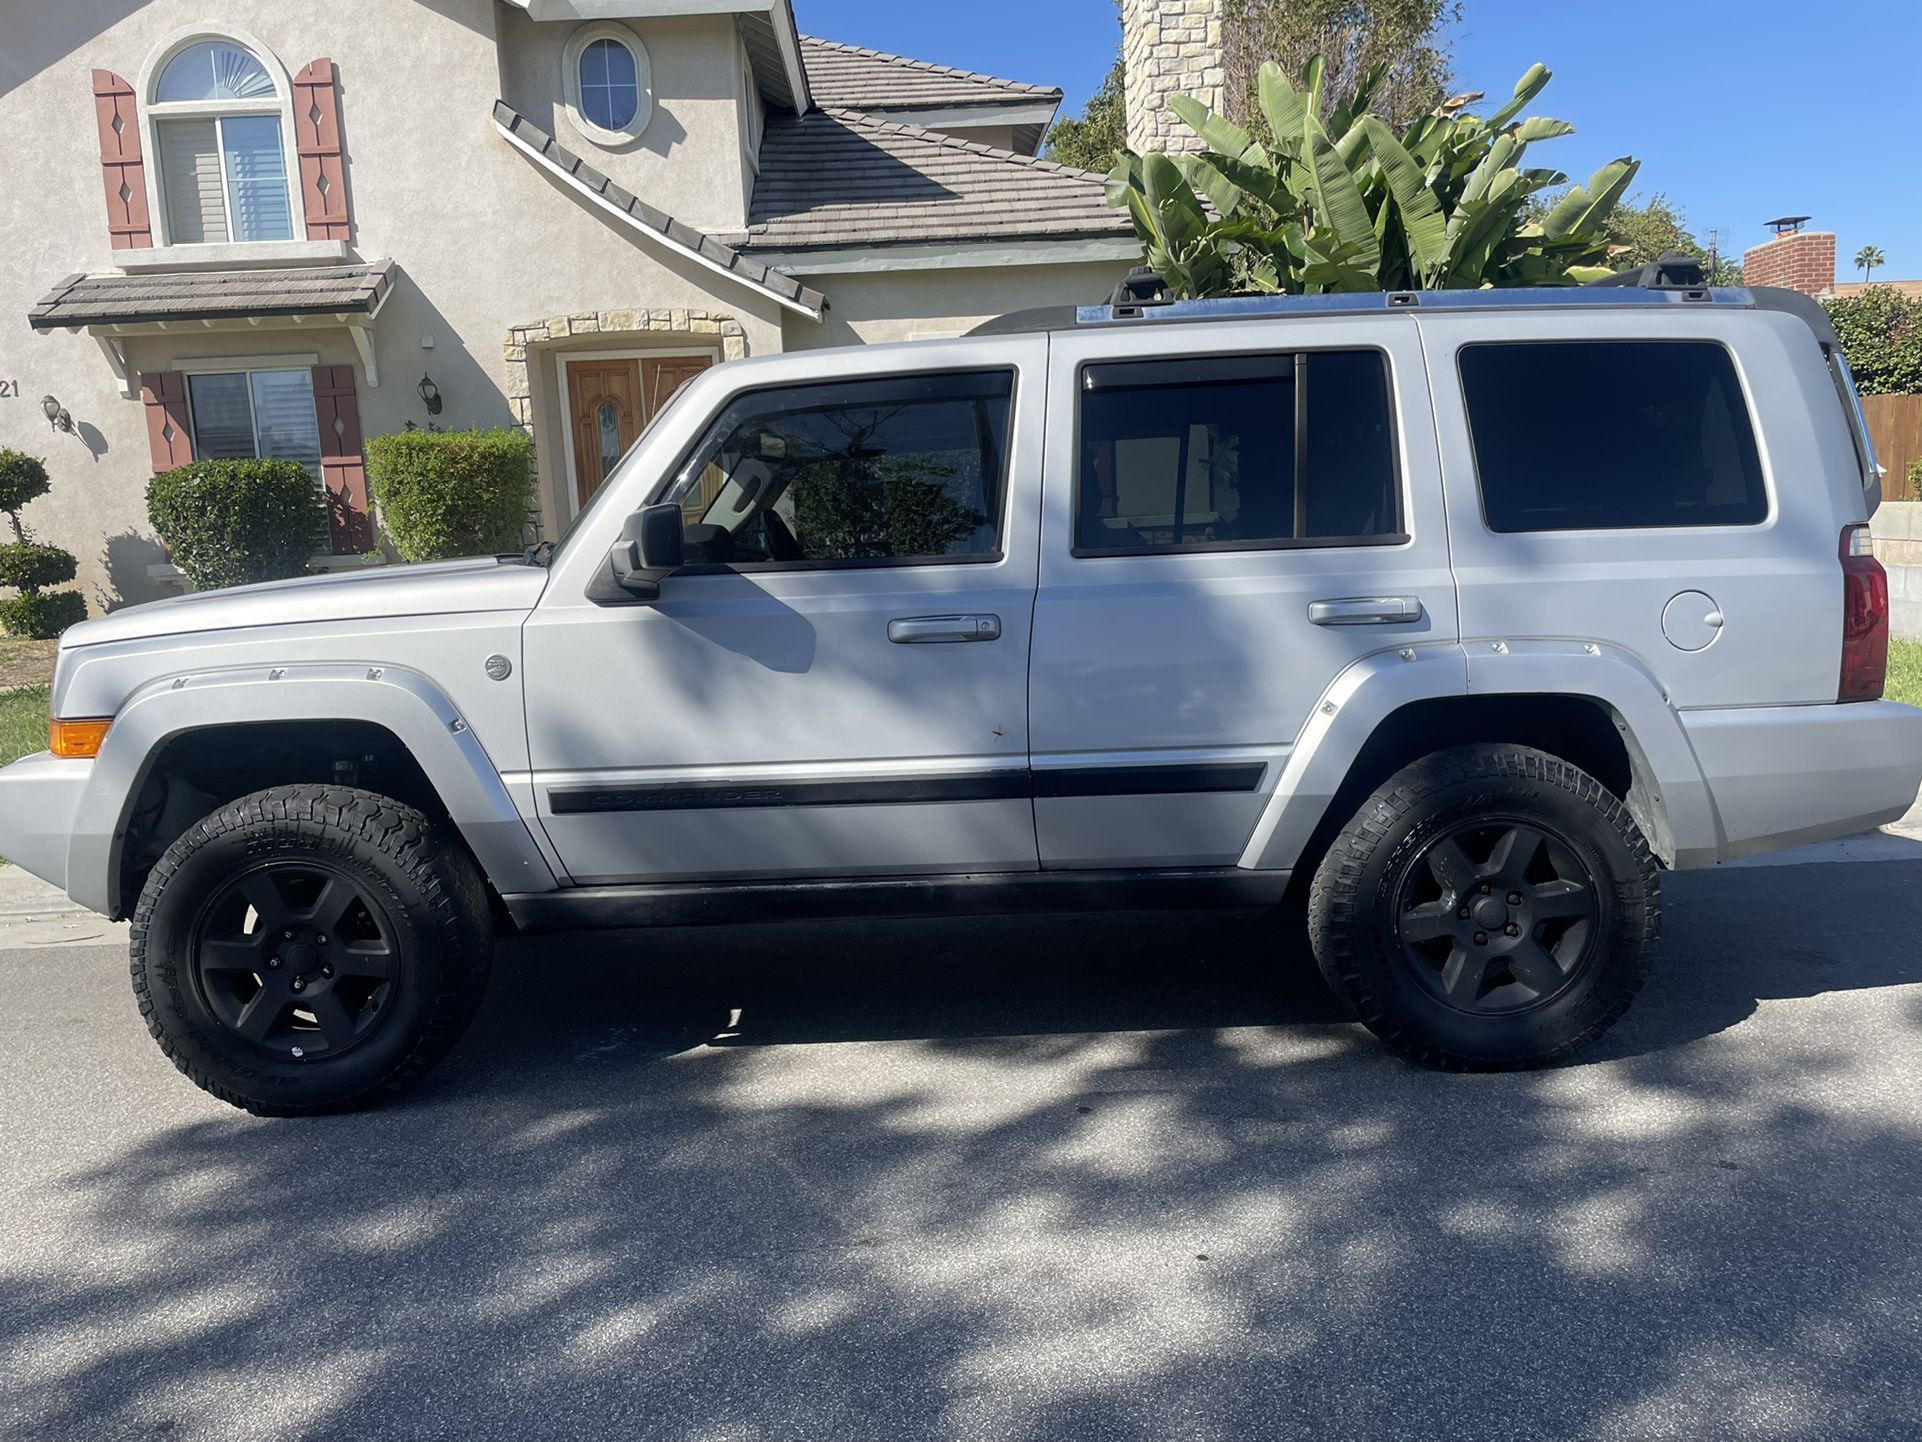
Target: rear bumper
<point x="1784" y="776"/>
<point x="39" y="801"/>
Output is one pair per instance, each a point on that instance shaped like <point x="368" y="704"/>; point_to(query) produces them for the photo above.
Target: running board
<point x="601" y="908"/>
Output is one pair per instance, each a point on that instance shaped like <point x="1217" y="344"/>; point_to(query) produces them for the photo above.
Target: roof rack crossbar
<point x="1373" y="302"/>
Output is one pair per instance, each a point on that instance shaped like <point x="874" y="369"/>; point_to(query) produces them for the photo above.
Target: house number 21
<point x="9" y="390"/>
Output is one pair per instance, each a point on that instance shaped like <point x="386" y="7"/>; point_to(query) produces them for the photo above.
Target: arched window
<point x="217" y="112"/>
<point x="609" y="83"/>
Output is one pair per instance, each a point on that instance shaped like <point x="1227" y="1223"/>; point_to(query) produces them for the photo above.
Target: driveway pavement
<point x="1114" y="1177"/>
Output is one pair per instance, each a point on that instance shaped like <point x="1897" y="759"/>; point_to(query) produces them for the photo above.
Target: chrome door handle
<point x="943" y="630"/>
<point x="1366" y="611"/>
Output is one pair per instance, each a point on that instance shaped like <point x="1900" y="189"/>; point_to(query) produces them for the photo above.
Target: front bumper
<point x="39" y="803"/>
<point x="1784" y="776"/>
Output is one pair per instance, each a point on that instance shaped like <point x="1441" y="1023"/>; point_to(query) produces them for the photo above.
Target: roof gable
<point x="850" y="77"/>
<point x="838" y="178"/>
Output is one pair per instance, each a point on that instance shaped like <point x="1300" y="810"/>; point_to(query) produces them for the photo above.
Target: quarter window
<point x="223" y="162"/>
<point x="1611" y="435"/>
<point x="912" y="468"/>
<point x="1236" y="452"/>
<point x="243" y="415"/>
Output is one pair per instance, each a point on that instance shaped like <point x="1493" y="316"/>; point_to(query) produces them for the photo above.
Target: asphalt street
<point x="1127" y="1176"/>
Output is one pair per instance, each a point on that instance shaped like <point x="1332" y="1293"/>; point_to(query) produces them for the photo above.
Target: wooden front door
<point x="612" y="401"/>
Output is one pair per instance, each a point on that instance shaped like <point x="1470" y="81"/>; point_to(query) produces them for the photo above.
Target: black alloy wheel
<point x="1496" y="915"/>
<point x="296" y="960"/>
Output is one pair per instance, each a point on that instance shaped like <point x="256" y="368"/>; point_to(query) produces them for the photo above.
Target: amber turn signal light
<point x="77" y="740"/>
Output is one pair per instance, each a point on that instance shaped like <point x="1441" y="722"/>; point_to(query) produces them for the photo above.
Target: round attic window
<point x="609" y="84"/>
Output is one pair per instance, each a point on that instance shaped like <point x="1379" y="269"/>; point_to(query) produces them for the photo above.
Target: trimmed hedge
<point x="42" y="615"/>
<point x="232" y="523"/>
<point x="443" y="494"/>
<point x="23" y="478"/>
<point x="34" y="568"/>
<point x="31" y="568"/>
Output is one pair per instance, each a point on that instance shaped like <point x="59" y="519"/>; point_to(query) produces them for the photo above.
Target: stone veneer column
<point x="1171" y="47"/>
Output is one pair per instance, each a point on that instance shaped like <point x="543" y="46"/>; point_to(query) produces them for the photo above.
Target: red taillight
<point x="1865" y="619"/>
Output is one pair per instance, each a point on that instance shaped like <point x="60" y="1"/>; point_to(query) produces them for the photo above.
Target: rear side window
<point x="1236" y="453"/>
<point x="1611" y="435"/>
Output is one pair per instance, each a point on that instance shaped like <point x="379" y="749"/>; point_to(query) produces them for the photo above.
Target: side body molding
<point x="400" y="700"/>
<point x="1673" y="803"/>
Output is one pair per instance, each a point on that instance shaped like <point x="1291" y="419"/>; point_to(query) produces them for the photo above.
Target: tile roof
<point x="837" y="178"/>
<point x="683" y="236"/>
<point x="848" y="77"/>
<point x="214" y="295"/>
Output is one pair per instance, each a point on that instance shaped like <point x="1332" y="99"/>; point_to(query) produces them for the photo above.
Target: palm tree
<point x="1868" y="258"/>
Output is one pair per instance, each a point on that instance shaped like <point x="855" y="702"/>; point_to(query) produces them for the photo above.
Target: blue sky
<point x="1780" y="107"/>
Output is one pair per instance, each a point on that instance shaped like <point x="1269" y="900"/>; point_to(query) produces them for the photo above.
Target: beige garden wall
<point x="925" y="304"/>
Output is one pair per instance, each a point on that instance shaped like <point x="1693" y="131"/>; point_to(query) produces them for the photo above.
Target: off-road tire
<point x="425" y="884"/>
<point x="1355" y="902"/>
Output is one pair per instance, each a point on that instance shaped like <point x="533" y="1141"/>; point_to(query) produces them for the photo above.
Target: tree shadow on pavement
<point x="1118" y="1176"/>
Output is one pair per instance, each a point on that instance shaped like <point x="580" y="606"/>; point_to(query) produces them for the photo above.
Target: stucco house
<point x="241" y="227"/>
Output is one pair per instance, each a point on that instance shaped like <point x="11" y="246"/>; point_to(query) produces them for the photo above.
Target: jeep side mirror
<point x="650" y="548"/>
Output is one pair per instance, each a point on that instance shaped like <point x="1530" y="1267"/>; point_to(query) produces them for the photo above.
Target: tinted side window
<point x="1601" y="435"/>
<point x="1224" y="452"/>
<point x="907" y="468"/>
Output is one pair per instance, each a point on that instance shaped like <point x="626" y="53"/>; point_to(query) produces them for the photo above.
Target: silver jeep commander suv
<point x="1468" y="613"/>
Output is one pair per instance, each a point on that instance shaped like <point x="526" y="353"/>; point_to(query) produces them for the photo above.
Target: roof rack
<point x="1374" y="302"/>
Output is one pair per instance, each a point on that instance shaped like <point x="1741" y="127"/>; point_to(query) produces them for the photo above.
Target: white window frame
<point x="152" y="112"/>
<point x="753" y="115"/>
<point x="249" y="367"/>
<point x="576" y="46"/>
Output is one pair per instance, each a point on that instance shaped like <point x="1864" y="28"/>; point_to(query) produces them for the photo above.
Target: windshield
<point x="619" y="472"/>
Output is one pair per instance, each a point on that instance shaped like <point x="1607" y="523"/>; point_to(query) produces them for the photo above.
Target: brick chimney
<point x="1171" y="47"/>
<point x="1796" y="259"/>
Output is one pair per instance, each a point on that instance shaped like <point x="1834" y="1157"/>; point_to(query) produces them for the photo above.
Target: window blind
<point x="257" y="177"/>
<point x="223" y="421"/>
<point x="190" y="175"/>
<point x="284" y="421"/>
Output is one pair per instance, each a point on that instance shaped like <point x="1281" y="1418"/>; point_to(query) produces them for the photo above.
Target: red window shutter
<point x="121" y="168"/>
<point x="165" y="396"/>
<point x="343" y="468"/>
<point x="323" y="174"/>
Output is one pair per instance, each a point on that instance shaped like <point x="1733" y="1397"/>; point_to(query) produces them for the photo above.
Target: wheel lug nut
<point x="326" y="971"/>
<point x="1481" y="938"/>
<point x="1486" y="888"/>
<point x="273" y="962"/>
<point x="1463" y="913"/>
<point x="1514" y="930"/>
<point x="1514" y="898"/>
<point x="320" y="940"/>
<point x="299" y="985"/>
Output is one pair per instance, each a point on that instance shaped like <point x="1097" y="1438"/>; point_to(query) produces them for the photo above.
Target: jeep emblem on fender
<point x="499" y="668"/>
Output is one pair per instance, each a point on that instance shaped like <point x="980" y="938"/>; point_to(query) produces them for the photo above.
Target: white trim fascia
<point x="633" y="9"/>
<point x="964" y="255"/>
<point x="575" y="184"/>
<point x="220" y="364"/>
<point x="970" y="117"/>
<point x="232" y="255"/>
<point x="788" y="36"/>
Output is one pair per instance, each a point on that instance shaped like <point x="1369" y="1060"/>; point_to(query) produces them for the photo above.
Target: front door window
<point x="611" y="402"/>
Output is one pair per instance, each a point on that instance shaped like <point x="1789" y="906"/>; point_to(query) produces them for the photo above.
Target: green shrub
<point x="1915" y="480"/>
<point x="30" y="568"/>
<point x="42" y="614"/>
<point x="34" y="568"/>
<point x="442" y="494"/>
<point x="23" y="478"/>
<point x="230" y="523"/>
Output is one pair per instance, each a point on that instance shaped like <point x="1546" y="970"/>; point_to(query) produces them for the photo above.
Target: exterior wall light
<point x="430" y="395"/>
<point x="57" y="415"/>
